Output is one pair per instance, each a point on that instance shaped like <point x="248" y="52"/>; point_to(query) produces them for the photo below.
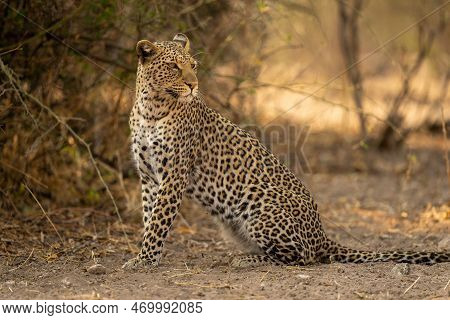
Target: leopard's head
<point x="167" y="68"/>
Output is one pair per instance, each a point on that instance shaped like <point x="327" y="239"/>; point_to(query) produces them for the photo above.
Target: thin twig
<point x="180" y="275"/>
<point x="370" y="54"/>
<point x="410" y="287"/>
<point x="47" y="31"/>
<point x="448" y="282"/>
<point x="45" y="213"/>
<point x="25" y="174"/>
<point x="289" y="87"/>
<point x="17" y="85"/>
<point x="10" y="74"/>
<point x="425" y="42"/>
<point x="119" y="174"/>
<point x="20" y="265"/>
<point x="264" y="275"/>
<point x="212" y="286"/>
<point x="343" y="229"/>
<point x="11" y="50"/>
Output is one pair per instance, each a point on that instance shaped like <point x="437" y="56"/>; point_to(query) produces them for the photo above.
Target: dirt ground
<point x="397" y="200"/>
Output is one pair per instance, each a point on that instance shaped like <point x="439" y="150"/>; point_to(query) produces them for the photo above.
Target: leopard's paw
<point x="238" y="262"/>
<point x="250" y="261"/>
<point x="139" y="263"/>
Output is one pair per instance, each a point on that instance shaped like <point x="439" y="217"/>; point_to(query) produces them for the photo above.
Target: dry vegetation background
<point x="367" y="79"/>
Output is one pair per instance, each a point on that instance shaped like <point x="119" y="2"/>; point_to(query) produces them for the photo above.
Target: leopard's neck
<point x="150" y="107"/>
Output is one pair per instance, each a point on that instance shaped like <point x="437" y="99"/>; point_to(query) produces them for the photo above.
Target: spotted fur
<point x="182" y="147"/>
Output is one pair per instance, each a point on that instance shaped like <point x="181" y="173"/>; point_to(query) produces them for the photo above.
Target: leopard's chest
<point x="147" y="150"/>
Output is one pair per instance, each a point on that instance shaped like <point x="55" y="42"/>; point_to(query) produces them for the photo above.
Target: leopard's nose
<point x="192" y="85"/>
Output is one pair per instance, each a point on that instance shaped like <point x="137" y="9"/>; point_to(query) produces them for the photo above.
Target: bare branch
<point x="15" y="83"/>
<point x="425" y="42"/>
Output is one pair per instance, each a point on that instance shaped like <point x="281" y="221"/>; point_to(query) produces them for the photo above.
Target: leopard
<point x="183" y="148"/>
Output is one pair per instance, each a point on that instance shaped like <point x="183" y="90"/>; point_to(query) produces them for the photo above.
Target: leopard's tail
<point x="334" y="252"/>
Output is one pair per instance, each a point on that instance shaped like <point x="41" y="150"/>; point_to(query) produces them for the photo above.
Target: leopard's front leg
<point x="159" y="223"/>
<point x="149" y="193"/>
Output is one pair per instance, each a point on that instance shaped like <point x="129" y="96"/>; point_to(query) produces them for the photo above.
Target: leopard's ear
<point x="146" y="51"/>
<point x="183" y="40"/>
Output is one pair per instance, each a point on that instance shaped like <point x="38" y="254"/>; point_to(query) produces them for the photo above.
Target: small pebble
<point x="303" y="276"/>
<point x="97" y="269"/>
<point x="66" y="282"/>
<point x="401" y="269"/>
<point x="340" y="269"/>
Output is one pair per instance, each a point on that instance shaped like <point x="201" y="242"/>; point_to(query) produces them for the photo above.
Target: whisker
<point x="201" y="52"/>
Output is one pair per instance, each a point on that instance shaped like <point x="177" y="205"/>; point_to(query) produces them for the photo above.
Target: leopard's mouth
<point x="187" y="95"/>
<point x="187" y="98"/>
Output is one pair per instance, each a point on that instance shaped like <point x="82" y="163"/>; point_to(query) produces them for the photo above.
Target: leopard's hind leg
<point x="252" y="255"/>
<point x="278" y="233"/>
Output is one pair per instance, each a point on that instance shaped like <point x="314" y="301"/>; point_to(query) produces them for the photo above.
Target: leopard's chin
<point x="187" y="98"/>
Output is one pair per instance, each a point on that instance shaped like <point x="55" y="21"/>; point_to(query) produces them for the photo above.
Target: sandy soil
<point x="398" y="203"/>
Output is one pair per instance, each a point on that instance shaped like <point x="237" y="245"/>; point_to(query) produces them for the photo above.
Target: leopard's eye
<point x="194" y="65"/>
<point x="173" y="66"/>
